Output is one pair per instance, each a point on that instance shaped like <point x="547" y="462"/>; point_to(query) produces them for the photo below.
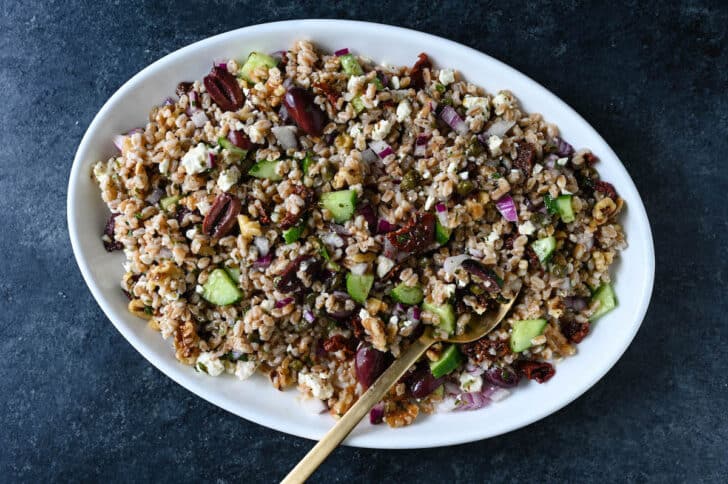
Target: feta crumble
<point x="320" y="387"/>
<point x="195" y="160"/>
<point x="209" y="364"/>
<point x="447" y="76"/>
<point x="526" y="228"/>
<point x="482" y="103"/>
<point x="381" y="129"/>
<point x="494" y="145"/>
<point x="244" y="369"/>
<point x="404" y="109"/>
<point x="470" y="383"/>
<point x="228" y="178"/>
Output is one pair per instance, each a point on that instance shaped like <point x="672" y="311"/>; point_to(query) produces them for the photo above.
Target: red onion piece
<point x="453" y="119"/>
<point x="576" y="303"/>
<point x="340" y="229"/>
<point x="421" y="145"/>
<point x="376" y="414"/>
<point x="264" y="261"/>
<point x="341" y="52"/>
<point x="550" y="161"/>
<point x="381" y="148"/>
<point x="414" y="313"/>
<point x="155" y="196"/>
<point x="283" y="302"/>
<point x="118" y="141"/>
<point x="507" y="207"/>
<point x="210" y="160"/>
<point x="563" y="148"/>
<point x="308" y="315"/>
<point x="168" y="102"/>
<point x="367" y="212"/>
<point x="199" y="119"/>
<point x="384" y="226"/>
<point x="499" y="127"/>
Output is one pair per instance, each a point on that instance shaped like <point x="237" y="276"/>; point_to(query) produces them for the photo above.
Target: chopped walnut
<point x="185" y="343"/>
<point x="375" y="329"/>
<point x="398" y="413"/>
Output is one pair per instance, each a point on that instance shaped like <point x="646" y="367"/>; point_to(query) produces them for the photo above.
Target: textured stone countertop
<point x="78" y="403"/>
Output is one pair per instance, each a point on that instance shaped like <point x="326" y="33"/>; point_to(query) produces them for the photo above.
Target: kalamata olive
<point x="305" y="113"/>
<point x="490" y="280"/>
<point x="369" y="363"/>
<point x="422" y="383"/>
<point x="504" y="377"/>
<point x="240" y="139"/>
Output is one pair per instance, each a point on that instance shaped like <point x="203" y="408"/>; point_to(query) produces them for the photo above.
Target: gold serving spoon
<point x="477" y="328"/>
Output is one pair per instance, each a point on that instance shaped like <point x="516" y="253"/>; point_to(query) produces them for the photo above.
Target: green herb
<point x="377" y="82"/>
<point x="202" y="367"/>
<point x="148" y="310"/>
<point x="440" y="87"/>
<point x="495" y="175"/>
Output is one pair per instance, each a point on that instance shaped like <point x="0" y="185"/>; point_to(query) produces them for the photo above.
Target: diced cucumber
<point x="220" y="289"/>
<point x="442" y="233"/>
<point x="358" y="286"/>
<point x="351" y="65"/>
<point x="524" y="331"/>
<point x="544" y="248"/>
<point x="168" y="203"/>
<point x="563" y="205"/>
<point x="407" y="294"/>
<point x="445" y="313"/>
<point x="228" y="145"/>
<point x="550" y="203"/>
<point x="358" y="104"/>
<point x="341" y="204"/>
<point x="255" y="60"/>
<point x="234" y="273"/>
<point x="306" y="163"/>
<point x="266" y="169"/>
<point x="449" y="361"/>
<point x="607" y="300"/>
<point x="293" y="234"/>
<point x="378" y="83"/>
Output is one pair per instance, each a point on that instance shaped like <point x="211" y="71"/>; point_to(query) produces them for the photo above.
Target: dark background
<point x="77" y="403"/>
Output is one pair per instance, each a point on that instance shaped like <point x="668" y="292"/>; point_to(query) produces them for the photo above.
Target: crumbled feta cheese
<point x="404" y="109"/>
<point x="228" y="178"/>
<point x="256" y="134"/>
<point x="239" y="126"/>
<point x="452" y="167"/>
<point x="447" y="76"/>
<point x="502" y="101"/>
<point x="449" y="289"/>
<point x="494" y="145"/>
<point x="209" y="364"/>
<point x="164" y="166"/>
<point x="526" y="228"/>
<point x="320" y="387"/>
<point x="492" y="237"/>
<point x="244" y="369"/>
<point x="483" y="103"/>
<point x="463" y="175"/>
<point x="395" y="82"/>
<point x="195" y="160"/>
<point x="426" y="174"/>
<point x="381" y="129"/>
<point x="199" y="289"/>
<point x="355" y="130"/>
<point x="470" y="383"/>
<point x="364" y="314"/>
<point x="562" y="161"/>
<point x="537" y="168"/>
<point x="384" y="265"/>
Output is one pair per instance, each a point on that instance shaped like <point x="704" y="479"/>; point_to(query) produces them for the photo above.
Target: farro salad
<point x="307" y="215"/>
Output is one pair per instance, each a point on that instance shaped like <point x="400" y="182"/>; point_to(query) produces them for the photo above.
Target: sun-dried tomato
<point x="357" y="328"/>
<point x="573" y="330"/>
<point x="540" y="371"/>
<point x="418" y="234"/>
<point x="416" y="78"/>
<point x="339" y="342"/>
<point x="605" y="188"/>
<point x="590" y="158"/>
<point x="486" y="349"/>
<point x="524" y="158"/>
<point x="533" y="259"/>
<point x="331" y="94"/>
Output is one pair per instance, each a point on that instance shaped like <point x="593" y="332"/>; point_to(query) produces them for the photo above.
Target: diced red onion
<point x="576" y="303"/>
<point x="340" y="229"/>
<point x="441" y="209"/>
<point x="263" y="245"/>
<point x="495" y="394"/>
<point x="199" y="118"/>
<point x="473" y="369"/>
<point x="367" y="212"/>
<point x="421" y="145"/>
<point x="563" y="148"/>
<point x="477" y="253"/>
<point x="118" y="141"/>
<point x="283" y="302"/>
<point x="550" y="161"/>
<point x="507" y="207"/>
<point x="451" y="264"/>
<point x="193" y="99"/>
<point x="168" y="102"/>
<point x="376" y="414"/>
<point x="499" y="128"/>
<point x="381" y="148"/>
<point x="384" y="227"/>
<point x="472" y="401"/>
<point x="369" y="156"/>
<point x="414" y="313"/>
<point x="384" y="265"/>
<point x="264" y="261"/>
<point x="221" y="63"/>
<point x="341" y="52"/>
<point x="286" y="136"/>
<point x="433" y="105"/>
<point x="453" y="119"/>
<point x="399" y="308"/>
<point x="210" y="160"/>
<point x="155" y="196"/>
<point x="308" y="315"/>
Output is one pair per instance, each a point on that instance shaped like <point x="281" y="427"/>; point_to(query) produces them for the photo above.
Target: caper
<point x="538" y="218"/>
<point x="558" y="270"/>
<point x="475" y="148"/>
<point x="476" y="289"/>
<point x="410" y="180"/>
<point x="296" y="365"/>
<point x="465" y="187"/>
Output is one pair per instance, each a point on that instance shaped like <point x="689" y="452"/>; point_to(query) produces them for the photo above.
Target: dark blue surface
<point x="77" y="403"/>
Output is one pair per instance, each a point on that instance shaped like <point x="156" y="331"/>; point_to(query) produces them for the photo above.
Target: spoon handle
<point x="351" y="418"/>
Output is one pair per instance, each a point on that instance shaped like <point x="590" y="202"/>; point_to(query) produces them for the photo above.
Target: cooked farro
<point x="307" y="217"/>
